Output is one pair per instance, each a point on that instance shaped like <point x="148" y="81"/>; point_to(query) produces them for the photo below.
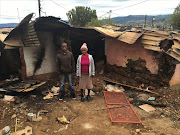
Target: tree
<point x="108" y="20"/>
<point x="175" y="18"/>
<point x="81" y="15"/>
<point x="95" y="23"/>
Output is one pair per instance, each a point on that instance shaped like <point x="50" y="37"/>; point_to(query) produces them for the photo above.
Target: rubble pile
<point x="171" y="99"/>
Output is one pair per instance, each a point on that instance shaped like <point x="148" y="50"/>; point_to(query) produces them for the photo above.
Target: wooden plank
<point x="107" y="80"/>
<point x="150" y="42"/>
<point x="151" y="47"/>
<point x="32" y="88"/>
<point x="152" y="38"/>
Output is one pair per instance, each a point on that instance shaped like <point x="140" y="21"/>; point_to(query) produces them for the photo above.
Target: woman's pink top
<point x="85" y="64"/>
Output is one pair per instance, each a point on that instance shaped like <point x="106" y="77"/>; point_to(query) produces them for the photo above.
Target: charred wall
<point x="43" y="56"/>
<point x="94" y="41"/>
<point x="75" y="37"/>
<point x="10" y="63"/>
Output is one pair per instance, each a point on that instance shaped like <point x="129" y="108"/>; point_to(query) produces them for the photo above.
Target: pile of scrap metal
<point x="151" y="39"/>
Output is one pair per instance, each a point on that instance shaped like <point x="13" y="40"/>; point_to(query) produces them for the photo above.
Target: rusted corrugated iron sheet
<point x="151" y="39"/>
<point x="30" y="38"/>
<point x="25" y="34"/>
<point x="108" y="32"/>
<point x="153" y="48"/>
<point x="129" y="37"/>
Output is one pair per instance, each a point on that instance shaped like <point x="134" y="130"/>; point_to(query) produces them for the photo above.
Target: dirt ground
<point x="86" y="118"/>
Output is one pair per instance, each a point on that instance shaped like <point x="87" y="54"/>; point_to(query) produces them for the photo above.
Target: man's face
<point x="64" y="47"/>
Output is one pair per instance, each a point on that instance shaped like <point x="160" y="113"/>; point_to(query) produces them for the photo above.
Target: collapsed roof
<point x="25" y="34"/>
<point x="151" y="39"/>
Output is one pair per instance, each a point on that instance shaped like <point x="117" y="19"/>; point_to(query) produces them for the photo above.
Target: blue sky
<point x="9" y="8"/>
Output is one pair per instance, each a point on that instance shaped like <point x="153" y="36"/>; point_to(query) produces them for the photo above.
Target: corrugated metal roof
<point x="108" y="32"/>
<point x="127" y="36"/>
<point x="151" y="39"/>
<point x="15" y="36"/>
<point x="25" y="34"/>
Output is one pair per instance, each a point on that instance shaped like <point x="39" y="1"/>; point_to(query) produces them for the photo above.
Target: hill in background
<point x="137" y="18"/>
<point x="8" y="25"/>
<point x="120" y="19"/>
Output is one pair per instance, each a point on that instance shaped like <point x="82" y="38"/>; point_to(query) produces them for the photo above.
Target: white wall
<point x="49" y="62"/>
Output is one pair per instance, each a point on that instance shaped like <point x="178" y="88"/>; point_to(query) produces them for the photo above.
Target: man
<point x="65" y="66"/>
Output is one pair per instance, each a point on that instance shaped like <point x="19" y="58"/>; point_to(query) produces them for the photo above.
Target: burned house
<point x="141" y="56"/>
<point x="39" y="40"/>
<point x="134" y="56"/>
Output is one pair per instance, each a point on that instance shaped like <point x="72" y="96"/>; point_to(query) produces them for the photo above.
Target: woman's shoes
<point x="89" y="98"/>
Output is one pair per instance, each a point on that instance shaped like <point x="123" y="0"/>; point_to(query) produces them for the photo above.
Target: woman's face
<point x="84" y="51"/>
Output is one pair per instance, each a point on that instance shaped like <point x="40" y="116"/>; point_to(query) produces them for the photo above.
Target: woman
<point x="85" y="71"/>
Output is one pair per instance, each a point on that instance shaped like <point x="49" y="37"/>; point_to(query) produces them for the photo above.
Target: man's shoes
<point x="73" y="96"/>
<point x="82" y="99"/>
<point x="61" y="98"/>
<point x="89" y="98"/>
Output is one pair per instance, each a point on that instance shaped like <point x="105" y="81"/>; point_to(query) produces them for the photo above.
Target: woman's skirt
<point x="85" y="82"/>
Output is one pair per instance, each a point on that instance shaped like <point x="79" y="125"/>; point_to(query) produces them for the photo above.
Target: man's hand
<point x="73" y="74"/>
<point x="59" y="74"/>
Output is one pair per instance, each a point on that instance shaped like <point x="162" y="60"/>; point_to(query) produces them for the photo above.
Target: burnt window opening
<point x="166" y="44"/>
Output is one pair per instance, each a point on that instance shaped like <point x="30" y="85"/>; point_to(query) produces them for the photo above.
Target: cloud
<point x="151" y="7"/>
